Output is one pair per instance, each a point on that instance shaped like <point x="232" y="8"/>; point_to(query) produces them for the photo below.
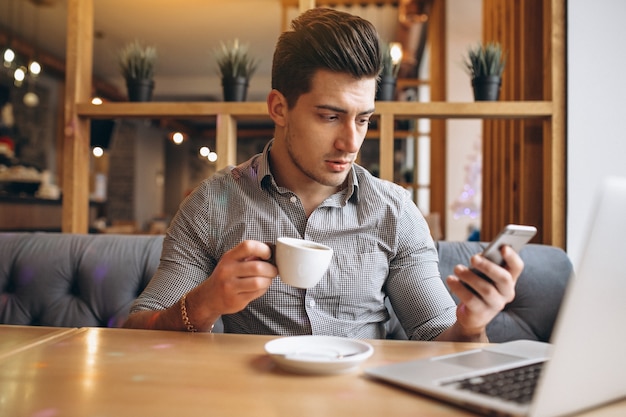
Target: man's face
<point x="325" y="129"/>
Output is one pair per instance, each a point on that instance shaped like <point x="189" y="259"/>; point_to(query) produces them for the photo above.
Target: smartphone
<point x="514" y="235"/>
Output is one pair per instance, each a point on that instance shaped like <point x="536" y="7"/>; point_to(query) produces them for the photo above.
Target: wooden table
<point x="119" y="372"/>
<point x="16" y="338"/>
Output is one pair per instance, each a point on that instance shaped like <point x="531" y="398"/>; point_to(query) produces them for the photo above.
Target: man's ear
<point x="277" y="107"/>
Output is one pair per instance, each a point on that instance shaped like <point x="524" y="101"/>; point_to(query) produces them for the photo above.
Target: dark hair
<point x="324" y="38"/>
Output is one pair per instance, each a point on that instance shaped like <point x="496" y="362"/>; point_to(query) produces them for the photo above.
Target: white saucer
<point x="318" y="354"/>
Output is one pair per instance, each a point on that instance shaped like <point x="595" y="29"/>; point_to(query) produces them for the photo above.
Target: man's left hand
<point x="480" y="300"/>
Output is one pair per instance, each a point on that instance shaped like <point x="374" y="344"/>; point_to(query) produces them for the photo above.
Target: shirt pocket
<point x="359" y="284"/>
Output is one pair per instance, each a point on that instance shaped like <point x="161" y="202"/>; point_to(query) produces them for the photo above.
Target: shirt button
<point x="293" y="199"/>
<point x="312" y="303"/>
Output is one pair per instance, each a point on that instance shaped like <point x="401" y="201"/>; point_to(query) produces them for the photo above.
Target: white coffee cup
<point x="301" y="263"/>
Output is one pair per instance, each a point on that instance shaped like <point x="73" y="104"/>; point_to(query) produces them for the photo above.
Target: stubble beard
<point x="328" y="181"/>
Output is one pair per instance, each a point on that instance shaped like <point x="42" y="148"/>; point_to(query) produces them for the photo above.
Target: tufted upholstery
<point x="70" y="280"/>
<point x="539" y="290"/>
<point x="73" y="280"/>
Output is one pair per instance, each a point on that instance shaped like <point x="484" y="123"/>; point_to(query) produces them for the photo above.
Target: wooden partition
<point x="526" y="139"/>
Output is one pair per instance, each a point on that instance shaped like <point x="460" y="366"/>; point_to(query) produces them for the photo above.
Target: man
<point x="305" y="184"/>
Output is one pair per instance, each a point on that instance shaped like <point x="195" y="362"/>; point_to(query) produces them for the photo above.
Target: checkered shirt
<point x="381" y="242"/>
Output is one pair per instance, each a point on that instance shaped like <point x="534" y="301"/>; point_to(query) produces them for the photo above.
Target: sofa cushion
<point x="538" y="293"/>
<point x="78" y="280"/>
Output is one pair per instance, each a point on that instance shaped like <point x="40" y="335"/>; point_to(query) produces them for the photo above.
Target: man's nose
<point x="351" y="138"/>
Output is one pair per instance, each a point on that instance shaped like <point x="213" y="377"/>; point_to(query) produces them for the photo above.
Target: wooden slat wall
<point x="514" y="165"/>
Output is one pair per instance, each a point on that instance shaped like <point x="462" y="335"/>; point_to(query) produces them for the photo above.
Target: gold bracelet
<point x="183" y="311"/>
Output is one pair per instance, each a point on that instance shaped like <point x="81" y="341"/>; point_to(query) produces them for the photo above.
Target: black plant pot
<point x="140" y="90"/>
<point x="386" y="90"/>
<point x="235" y="89"/>
<point x="487" y="88"/>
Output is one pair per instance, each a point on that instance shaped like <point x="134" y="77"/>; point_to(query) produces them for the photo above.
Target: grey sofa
<point x="69" y="280"/>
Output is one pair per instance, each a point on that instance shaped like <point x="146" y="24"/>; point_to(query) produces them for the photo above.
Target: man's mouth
<point x="339" y="164"/>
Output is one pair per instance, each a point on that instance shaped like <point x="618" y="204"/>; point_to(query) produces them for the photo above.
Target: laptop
<point x="584" y="365"/>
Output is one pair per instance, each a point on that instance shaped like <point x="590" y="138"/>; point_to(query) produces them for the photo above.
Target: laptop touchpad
<point x="480" y="359"/>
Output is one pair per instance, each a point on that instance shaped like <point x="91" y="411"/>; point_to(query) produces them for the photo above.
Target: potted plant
<point x="235" y="66"/>
<point x="137" y="64"/>
<point x="485" y="64"/>
<point x="391" y="57"/>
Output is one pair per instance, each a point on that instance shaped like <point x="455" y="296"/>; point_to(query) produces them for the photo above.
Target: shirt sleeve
<point x="417" y="294"/>
<point x="185" y="259"/>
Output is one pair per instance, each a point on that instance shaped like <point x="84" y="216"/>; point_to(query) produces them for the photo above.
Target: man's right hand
<point x="240" y="276"/>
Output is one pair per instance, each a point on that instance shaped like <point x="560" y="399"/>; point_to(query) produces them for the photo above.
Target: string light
<point x="19" y="74"/>
<point x="9" y="57"/>
<point x="97" y="151"/>
<point x="34" y="68"/>
<point x="31" y="99"/>
<point x="207" y="153"/>
<point x="12" y="61"/>
<point x="178" y="138"/>
<point x="9" y="54"/>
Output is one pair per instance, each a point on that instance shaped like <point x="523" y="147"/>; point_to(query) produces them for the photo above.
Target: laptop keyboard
<point x="516" y="385"/>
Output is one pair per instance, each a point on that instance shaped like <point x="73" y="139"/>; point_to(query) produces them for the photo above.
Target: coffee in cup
<point x="301" y="263"/>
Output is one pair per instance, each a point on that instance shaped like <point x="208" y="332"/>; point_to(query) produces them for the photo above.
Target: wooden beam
<point x="386" y="145"/>
<point x="304" y="5"/>
<point x="76" y="147"/>
<point x="555" y="187"/>
<point x="332" y="3"/>
<point x="254" y="109"/>
<point x="438" y="131"/>
<point x="226" y="141"/>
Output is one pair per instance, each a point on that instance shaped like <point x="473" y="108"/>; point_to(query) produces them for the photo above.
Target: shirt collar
<point x="266" y="179"/>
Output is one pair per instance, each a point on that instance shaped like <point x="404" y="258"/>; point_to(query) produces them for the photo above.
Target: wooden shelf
<point x="398" y="109"/>
<point x="466" y="110"/>
<point x="171" y="109"/>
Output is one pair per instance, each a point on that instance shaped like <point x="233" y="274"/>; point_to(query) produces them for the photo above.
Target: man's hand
<point x="241" y="275"/>
<point x="480" y="304"/>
